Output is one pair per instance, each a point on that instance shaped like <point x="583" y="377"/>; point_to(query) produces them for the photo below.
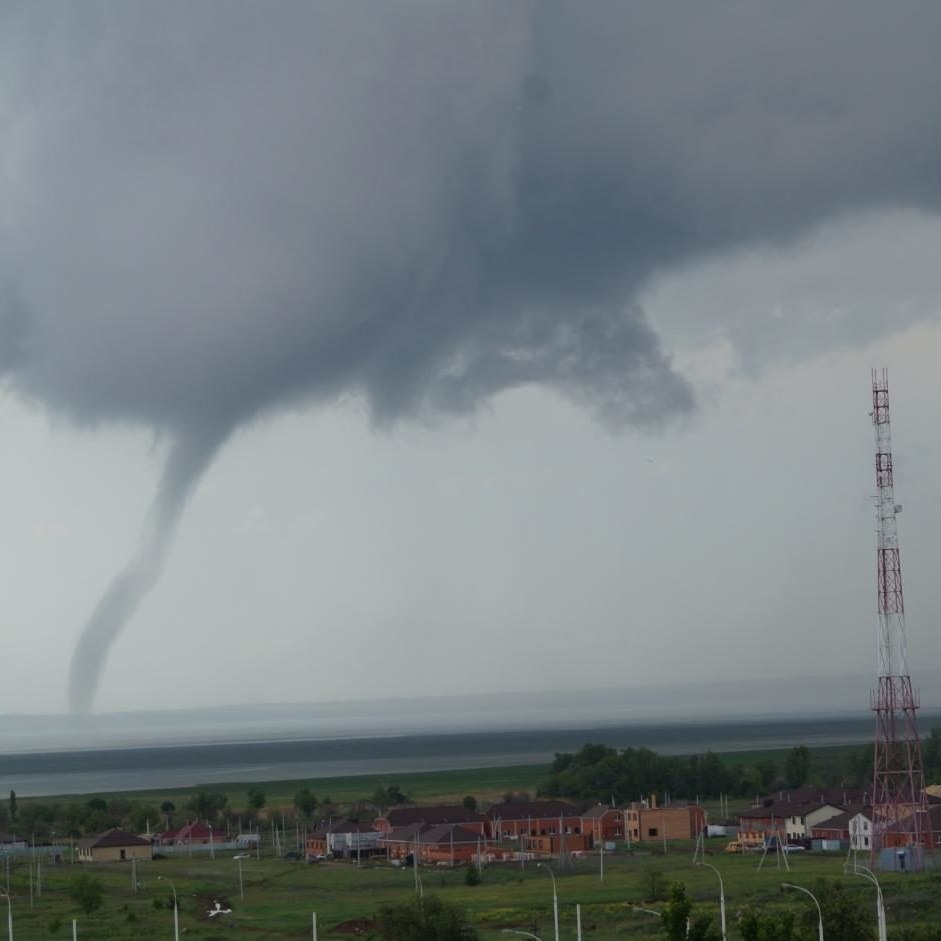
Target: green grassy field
<point x="486" y="784"/>
<point x="280" y="896"/>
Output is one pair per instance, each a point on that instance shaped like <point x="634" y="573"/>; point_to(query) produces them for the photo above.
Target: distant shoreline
<point x="166" y="766"/>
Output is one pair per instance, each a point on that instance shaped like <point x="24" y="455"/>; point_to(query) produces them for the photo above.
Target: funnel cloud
<point x="188" y="458"/>
<point x="213" y="212"/>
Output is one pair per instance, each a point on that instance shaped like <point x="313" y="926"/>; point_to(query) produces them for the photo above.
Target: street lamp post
<point x="721" y="897"/>
<point x="240" y="857"/>
<point x="800" y="888"/>
<point x="6" y="895"/>
<point x="867" y="873"/>
<point x="176" y="909"/>
<point x="651" y="911"/>
<point x="555" y="899"/>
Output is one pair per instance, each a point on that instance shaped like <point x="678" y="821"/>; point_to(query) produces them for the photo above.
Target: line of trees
<point x="598" y="772"/>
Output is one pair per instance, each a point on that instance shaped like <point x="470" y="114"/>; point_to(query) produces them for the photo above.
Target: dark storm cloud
<point x="209" y="210"/>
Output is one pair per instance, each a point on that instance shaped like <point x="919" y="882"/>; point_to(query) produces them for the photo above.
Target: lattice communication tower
<point x="898" y="792"/>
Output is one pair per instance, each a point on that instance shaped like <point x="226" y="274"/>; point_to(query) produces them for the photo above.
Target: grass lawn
<point x="486" y="784"/>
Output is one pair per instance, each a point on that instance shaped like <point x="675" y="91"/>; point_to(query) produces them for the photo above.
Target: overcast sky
<point x="377" y="349"/>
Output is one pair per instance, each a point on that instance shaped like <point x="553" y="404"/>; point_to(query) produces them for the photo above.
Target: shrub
<point x="87" y="892"/>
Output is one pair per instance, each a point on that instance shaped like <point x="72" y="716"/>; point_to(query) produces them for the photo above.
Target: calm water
<point x="91" y="770"/>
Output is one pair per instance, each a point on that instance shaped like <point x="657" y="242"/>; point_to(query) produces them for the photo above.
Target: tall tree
<point x="207" y="805"/>
<point x="797" y="766"/>
<point x="304" y="802"/>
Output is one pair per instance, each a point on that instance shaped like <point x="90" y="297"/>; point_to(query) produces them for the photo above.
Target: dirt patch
<point x="358" y="927"/>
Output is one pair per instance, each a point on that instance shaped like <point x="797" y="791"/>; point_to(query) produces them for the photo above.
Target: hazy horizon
<point x="760" y="701"/>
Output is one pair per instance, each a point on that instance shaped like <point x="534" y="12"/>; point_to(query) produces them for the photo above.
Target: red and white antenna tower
<point x="898" y="788"/>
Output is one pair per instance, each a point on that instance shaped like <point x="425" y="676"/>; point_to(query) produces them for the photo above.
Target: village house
<point x="513" y="819"/>
<point x="194" y="833"/>
<point x="114" y="846"/>
<point x="860" y="830"/>
<point x="672" y="822"/>
<point x="398" y="817"/>
<point x="451" y="844"/>
<point x="445" y="843"/>
<point x="555" y="844"/>
<point x="631" y="816"/>
<point x="603" y="823"/>
<point x="802" y="818"/>
<point x="347" y="838"/>
<point x="402" y="841"/>
<point x="853" y="826"/>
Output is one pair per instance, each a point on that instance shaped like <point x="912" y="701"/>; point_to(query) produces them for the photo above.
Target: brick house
<point x="673" y="822"/>
<point x="552" y="844"/>
<point x="451" y="844"/>
<point x="402" y="841"/>
<point x="513" y="819"/>
<point x="443" y="843"/>
<point x="603" y="823"/>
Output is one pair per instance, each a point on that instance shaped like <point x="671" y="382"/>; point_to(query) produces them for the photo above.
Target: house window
<point x="652" y="831"/>
<point x="865" y="841"/>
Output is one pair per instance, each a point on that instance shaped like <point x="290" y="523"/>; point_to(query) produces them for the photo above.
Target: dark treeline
<point x="597" y="772"/>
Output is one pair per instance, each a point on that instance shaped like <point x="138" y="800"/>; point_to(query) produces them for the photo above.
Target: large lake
<point x="96" y="770"/>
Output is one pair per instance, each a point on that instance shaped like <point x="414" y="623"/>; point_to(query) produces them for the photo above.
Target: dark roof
<point x="353" y="826"/>
<point x="452" y="813"/>
<point x="523" y="810"/>
<point x="839" y="822"/>
<point x="782" y="809"/>
<point x="114" y="837"/>
<point x="808" y="794"/>
<point x="598" y="811"/>
<point x="404" y="834"/>
<point x="447" y="833"/>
